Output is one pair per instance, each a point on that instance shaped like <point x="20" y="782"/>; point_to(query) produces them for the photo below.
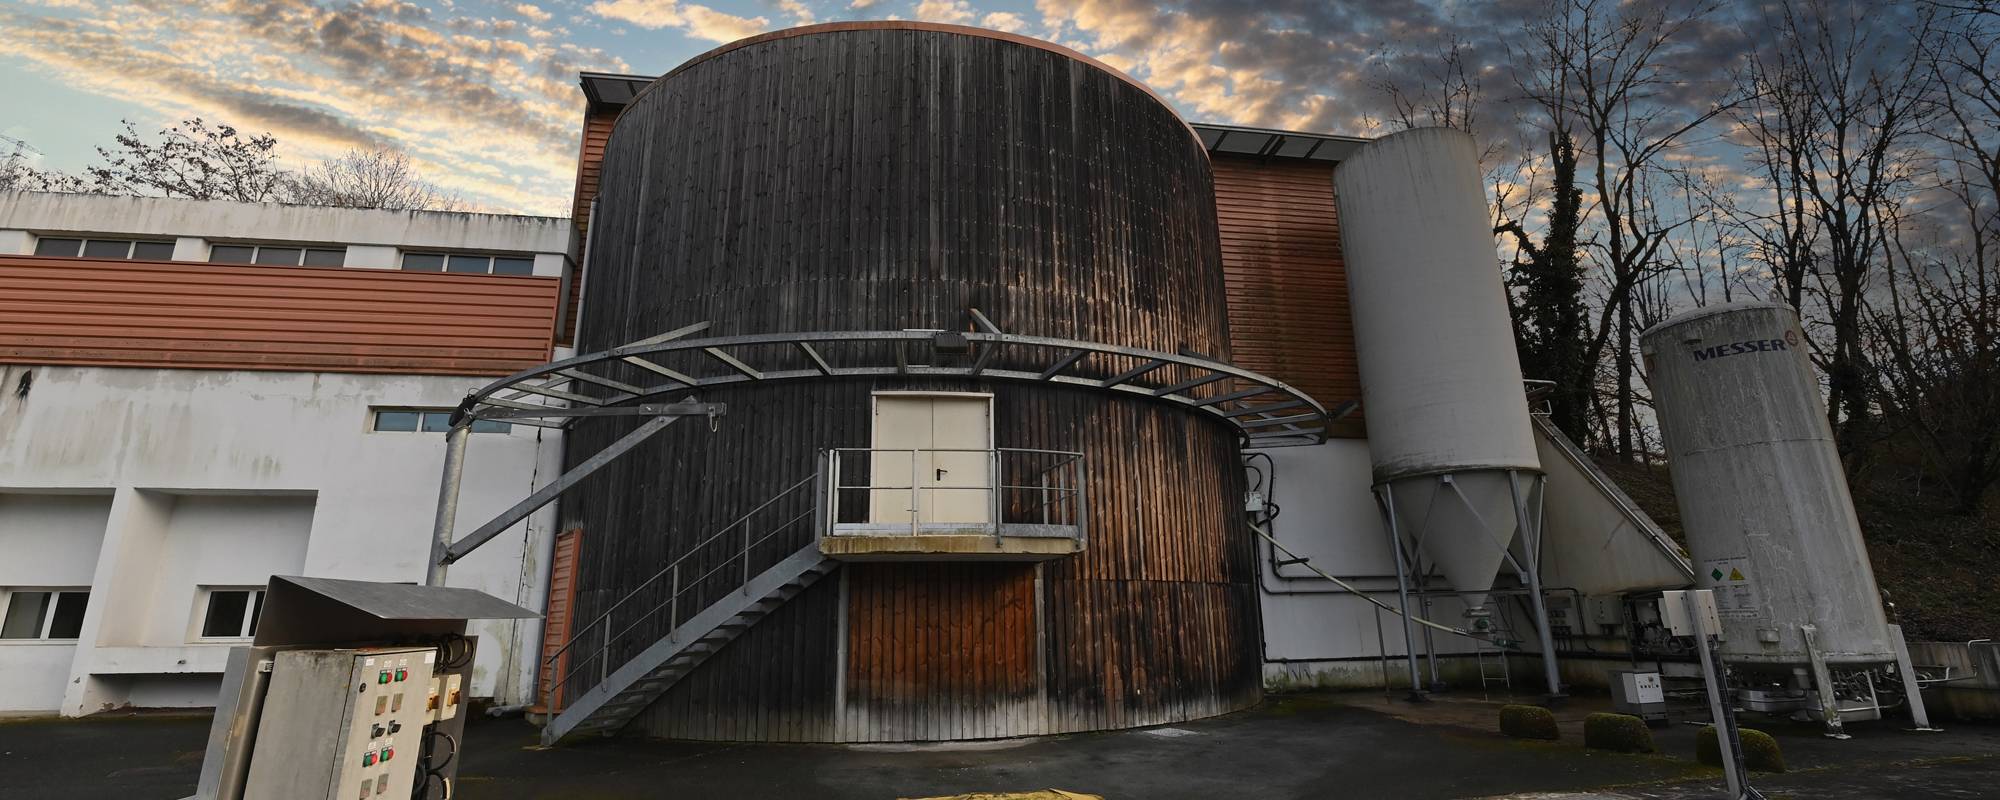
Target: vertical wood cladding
<point x="890" y="179"/>
<point x="1288" y="312"/>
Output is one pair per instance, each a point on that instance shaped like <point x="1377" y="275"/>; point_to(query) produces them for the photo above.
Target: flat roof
<point x="608" y="93"/>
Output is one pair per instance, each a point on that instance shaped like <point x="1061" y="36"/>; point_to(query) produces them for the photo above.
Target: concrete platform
<point x="1300" y="746"/>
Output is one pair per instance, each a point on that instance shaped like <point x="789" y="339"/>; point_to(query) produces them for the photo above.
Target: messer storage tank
<point x="1762" y="493"/>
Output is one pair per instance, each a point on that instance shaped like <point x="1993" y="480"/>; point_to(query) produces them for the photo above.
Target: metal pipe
<point x="447" y="510"/>
<point x="1388" y="500"/>
<point x="1533" y="551"/>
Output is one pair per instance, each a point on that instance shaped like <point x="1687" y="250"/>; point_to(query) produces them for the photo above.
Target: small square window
<point x="396" y="421"/>
<point x="326" y="258"/>
<point x="232" y="613"/>
<point x="467" y="264"/>
<point x="44" y="614"/>
<point x="437" y="421"/>
<point x="100" y="248"/>
<point x="279" y="256"/>
<point x="232" y="254"/>
<point x="153" y="251"/>
<point x="424" y="262"/>
<point x="513" y="266"/>
<point x="58" y="247"/>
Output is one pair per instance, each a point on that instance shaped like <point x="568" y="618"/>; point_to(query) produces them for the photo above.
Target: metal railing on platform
<point x="1009" y="491"/>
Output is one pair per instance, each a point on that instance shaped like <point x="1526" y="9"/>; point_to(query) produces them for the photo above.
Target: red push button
<point x="387" y="753"/>
<point x="368" y="759"/>
<point x="382" y="678"/>
<point x="402" y="674"/>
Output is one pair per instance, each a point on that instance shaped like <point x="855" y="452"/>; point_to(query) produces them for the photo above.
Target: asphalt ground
<point x="1300" y="746"/>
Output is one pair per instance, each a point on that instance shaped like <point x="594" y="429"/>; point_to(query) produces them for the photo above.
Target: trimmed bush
<point x="1528" y="722"/>
<point x="1620" y="732"/>
<point x="1760" y="751"/>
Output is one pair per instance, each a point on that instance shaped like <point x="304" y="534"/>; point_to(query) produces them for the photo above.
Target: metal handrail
<point x="995" y="486"/>
<point x="577" y="636"/>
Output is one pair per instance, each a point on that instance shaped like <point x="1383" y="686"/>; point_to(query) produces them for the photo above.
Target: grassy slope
<point x="1941" y="570"/>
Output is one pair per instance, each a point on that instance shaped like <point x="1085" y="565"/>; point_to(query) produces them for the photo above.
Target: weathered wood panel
<point x="197" y="315"/>
<point x="888" y="178"/>
<point x="940" y="650"/>
<point x="1288" y="312"/>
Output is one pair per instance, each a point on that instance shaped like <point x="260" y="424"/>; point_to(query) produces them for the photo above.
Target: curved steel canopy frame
<point x="1265" y="411"/>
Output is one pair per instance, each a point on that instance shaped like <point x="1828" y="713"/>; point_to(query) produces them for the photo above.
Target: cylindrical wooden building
<point x="887" y="177"/>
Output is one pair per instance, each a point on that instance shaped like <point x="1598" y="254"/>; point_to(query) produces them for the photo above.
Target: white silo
<point x="1763" y="497"/>
<point x="1448" y="427"/>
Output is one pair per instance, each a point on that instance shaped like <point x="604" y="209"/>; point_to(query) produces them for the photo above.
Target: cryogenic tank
<point x="1769" y="521"/>
<point x="1447" y="418"/>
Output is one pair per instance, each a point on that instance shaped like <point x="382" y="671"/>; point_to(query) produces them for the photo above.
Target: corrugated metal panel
<point x="1057" y="199"/>
<point x="1288" y="310"/>
<point x="196" y="315"/>
<point x="589" y="167"/>
<point x="558" y="617"/>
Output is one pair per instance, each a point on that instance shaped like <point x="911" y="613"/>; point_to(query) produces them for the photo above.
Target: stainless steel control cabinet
<point x="352" y="724"/>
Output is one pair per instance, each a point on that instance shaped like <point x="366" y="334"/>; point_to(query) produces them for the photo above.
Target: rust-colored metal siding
<point x="940" y="651"/>
<point x="589" y="167"/>
<point x="197" y="315"/>
<point x="558" y="617"/>
<point x="1288" y="312"/>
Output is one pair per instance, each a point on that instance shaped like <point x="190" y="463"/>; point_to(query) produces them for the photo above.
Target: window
<point x="429" y="420"/>
<point x="232" y="613"/>
<point x="281" y="256"/>
<point x="105" y="248"/>
<point x="460" y="262"/>
<point x="44" y="614"/>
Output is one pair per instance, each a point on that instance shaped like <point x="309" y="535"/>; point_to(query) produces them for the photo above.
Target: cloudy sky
<point x="483" y="92"/>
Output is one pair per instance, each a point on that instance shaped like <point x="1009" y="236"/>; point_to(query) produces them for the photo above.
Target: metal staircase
<point x="620" y="693"/>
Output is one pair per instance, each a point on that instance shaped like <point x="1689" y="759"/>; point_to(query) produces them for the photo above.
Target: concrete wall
<point x="151" y="485"/>
<point x="1318" y="636"/>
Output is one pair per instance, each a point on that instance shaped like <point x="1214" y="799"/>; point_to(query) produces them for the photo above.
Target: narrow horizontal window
<point x="468" y="264"/>
<point x="423" y="262"/>
<point x="326" y="258"/>
<point x="279" y="256"/>
<point x="153" y="251"/>
<point x="513" y="266"/>
<point x="101" y="248"/>
<point x="430" y="420"/>
<point x="232" y="254"/>
<point x="58" y="247"/>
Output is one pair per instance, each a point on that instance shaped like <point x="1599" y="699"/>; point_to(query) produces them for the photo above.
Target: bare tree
<point x="1843" y="107"/>
<point x="368" y="179"/>
<point x="192" y="160"/>
<point x="1603" y="72"/>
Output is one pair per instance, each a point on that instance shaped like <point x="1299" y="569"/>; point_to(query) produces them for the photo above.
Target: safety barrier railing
<point x="883" y="490"/>
<point x="720" y="563"/>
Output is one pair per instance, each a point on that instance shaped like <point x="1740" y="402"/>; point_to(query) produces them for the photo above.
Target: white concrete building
<point x="199" y="395"/>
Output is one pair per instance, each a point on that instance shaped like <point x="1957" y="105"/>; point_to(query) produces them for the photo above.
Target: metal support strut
<point x="1387" y="497"/>
<point x="1532" y="565"/>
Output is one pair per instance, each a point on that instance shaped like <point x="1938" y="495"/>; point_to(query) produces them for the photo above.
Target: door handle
<point x="940" y="474"/>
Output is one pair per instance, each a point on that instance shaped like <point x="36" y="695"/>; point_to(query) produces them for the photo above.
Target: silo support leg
<point x="1911" y="688"/>
<point x="1829" y="696"/>
<point x="1532" y="565"/>
<point x="1388" y="499"/>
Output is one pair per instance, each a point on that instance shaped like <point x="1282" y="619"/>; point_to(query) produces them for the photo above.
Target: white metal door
<point x="938" y="444"/>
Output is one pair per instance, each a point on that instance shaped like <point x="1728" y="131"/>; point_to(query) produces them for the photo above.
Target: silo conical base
<point x="1462" y="521"/>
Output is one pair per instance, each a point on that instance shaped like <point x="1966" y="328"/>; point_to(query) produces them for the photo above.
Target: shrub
<point x="1528" y="722"/>
<point x="1625" y="734"/>
<point x="1760" y="751"/>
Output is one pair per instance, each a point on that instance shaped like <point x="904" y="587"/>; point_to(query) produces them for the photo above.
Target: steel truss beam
<point x="1265" y="412"/>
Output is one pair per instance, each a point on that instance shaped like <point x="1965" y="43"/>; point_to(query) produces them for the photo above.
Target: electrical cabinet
<point x="352" y="724"/>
